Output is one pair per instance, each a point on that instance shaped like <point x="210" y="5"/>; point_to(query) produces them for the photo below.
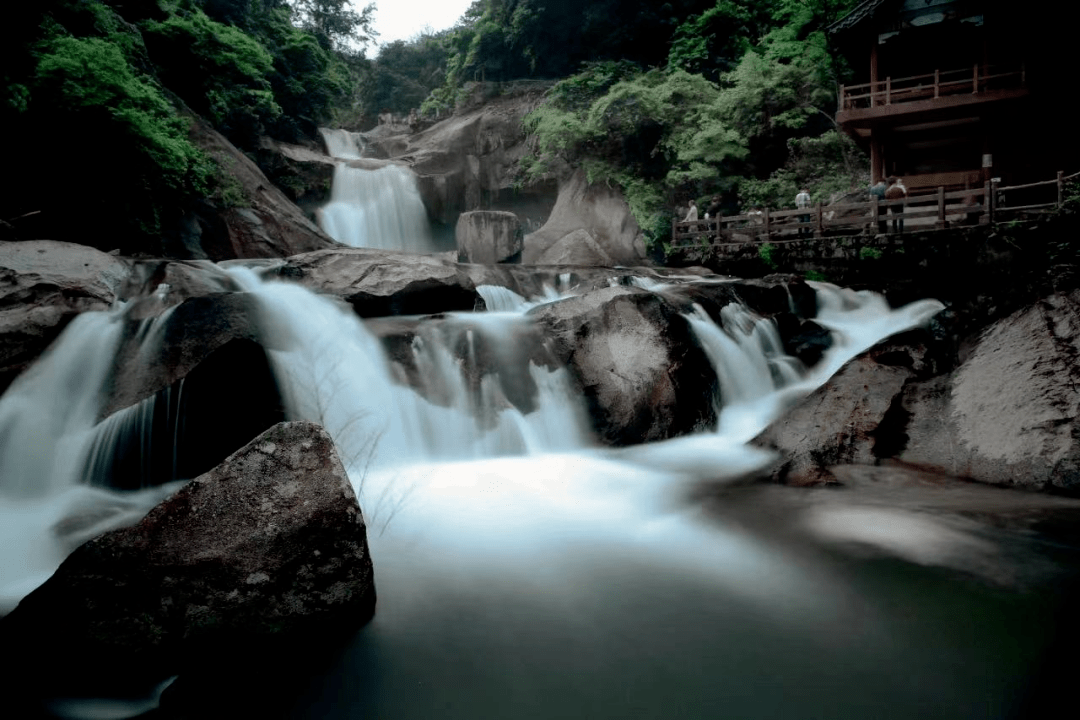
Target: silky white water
<point x="524" y="572"/>
<point x="373" y="208"/>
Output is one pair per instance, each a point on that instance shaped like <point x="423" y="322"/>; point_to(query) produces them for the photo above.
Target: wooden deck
<point x="973" y="80"/>
<point x="934" y="210"/>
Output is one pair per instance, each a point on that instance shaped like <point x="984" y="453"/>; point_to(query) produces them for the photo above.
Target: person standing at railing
<point x="802" y="201"/>
<point x="897" y="191"/>
<point x="878" y="191"/>
<point x="691" y="214"/>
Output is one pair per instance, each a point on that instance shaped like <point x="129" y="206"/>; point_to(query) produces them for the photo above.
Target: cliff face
<point x="471" y="161"/>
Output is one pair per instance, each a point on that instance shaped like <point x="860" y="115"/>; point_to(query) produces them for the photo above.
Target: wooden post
<point x="1061" y="188"/>
<point x="937" y="83"/>
<point x="843" y="103"/>
<point x="975" y="81"/>
<point x="820" y="223"/>
<point x="768" y="225"/>
<point x="873" y="75"/>
<point x="876" y="216"/>
<point x="991" y="201"/>
<point x="876" y="163"/>
<point x="941" y="207"/>
<point x="888" y="90"/>
<point x="674" y="225"/>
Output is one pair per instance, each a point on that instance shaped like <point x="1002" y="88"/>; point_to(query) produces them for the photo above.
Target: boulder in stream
<point x="384" y="282"/>
<point x="642" y="373"/>
<point x="488" y="237"/>
<point x="1009" y="413"/>
<point x="43" y="285"/>
<point x="270" y="545"/>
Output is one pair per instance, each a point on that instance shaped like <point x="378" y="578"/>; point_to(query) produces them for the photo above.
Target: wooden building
<point x="956" y="92"/>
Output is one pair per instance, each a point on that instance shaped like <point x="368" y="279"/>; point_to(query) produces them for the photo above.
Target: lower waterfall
<point x="525" y="572"/>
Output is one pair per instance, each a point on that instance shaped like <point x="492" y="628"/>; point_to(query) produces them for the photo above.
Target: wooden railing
<point x="935" y="210"/>
<point x="891" y="91"/>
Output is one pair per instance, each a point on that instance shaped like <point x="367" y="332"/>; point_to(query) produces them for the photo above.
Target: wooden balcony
<point x="934" y="91"/>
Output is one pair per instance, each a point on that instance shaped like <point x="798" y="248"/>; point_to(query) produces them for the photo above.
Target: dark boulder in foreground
<point x="855" y="418"/>
<point x="267" y="547"/>
<point x="1007" y="415"/>
<point x="1010" y="414"/>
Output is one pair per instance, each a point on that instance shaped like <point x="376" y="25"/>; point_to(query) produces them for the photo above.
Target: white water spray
<point x="378" y="208"/>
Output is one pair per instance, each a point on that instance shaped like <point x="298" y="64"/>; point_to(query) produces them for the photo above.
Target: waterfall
<point x="48" y="413"/>
<point x="343" y="144"/>
<point x="335" y="372"/>
<point x="49" y="429"/>
<point x="514" y="558"/>
<point x="373" y="208"/>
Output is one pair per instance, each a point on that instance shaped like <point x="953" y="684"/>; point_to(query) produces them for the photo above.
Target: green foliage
<point x="404" y="74"/>
<point x="335" y="22"/>
<point x="766" y="252"/>
<point x="139" y="148"/>
<point x="814" y="276"/>
<point x="217" y="70"/>
<point x="652" y="133"/>
<point x="869" y="253"/>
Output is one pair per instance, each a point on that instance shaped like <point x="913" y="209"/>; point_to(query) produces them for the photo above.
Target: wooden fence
<point x="935" y="210"/>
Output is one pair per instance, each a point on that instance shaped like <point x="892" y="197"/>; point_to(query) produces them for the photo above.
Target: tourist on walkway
<point x="878" y="191"/>
<point x="896" y="191"/>
<point x="692" y="213"/>
<point x="713" y="211"/>
<point x="802" y="201"/>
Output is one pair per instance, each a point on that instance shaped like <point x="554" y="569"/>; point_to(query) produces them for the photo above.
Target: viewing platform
<point x="933" y="210"/>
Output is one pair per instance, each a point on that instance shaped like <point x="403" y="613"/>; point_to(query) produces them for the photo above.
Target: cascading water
<point x="373" y="208"/>
<point x="523" y="573"/>
<point x="49" y="427"/>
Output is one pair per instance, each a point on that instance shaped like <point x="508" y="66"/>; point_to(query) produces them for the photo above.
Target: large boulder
<point x="43" y="285"/>
<point x="855" y="418"/>
<point x="577" y="248"/>
<point x="270" y="545"/>
<point x="1009" y="414"/>
<point x="381" y="282"/>
<point x="598" y="209"/>
<point x="470" y="160"/>
<point x="642" y="373"/>
<point x="488" y="237"/>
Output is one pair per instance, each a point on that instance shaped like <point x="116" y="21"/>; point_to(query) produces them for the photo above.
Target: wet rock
<point x="270" y="545"/>
<point x="576" y="248"/>
<point x="258" y="221"/>
<point x="1008" y="414"/>
<point x="469" y="161"/>
<point x="43" y="285"/>
<point x="855" y="418"/>
<point x="380" y="282"/>
<point x="189" y="427"/>
<point x="598" y="209"/>
<point x="488" y="237"/>
<point x="163" y="344"/>
<point x="642" y="374"/>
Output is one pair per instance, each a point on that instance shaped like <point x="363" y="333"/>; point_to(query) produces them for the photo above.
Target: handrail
<point x="972" y="206"/>
<point x="905" y="89"/>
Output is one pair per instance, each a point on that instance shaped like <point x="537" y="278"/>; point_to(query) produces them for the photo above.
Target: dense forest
<point x="668" y="100"/>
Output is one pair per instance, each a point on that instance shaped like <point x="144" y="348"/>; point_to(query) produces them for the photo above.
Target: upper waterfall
<point x="378" y="208"/>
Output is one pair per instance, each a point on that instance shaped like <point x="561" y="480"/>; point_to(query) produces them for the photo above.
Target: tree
<point x="335" y="23"/>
